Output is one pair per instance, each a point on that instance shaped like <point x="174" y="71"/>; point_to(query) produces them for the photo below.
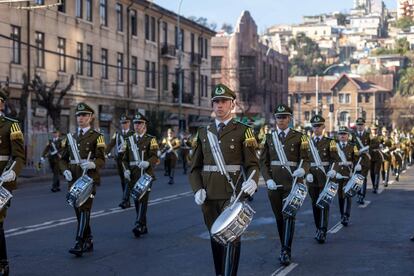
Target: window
<point x="165" y="77"/>
<point x="307" y="115"/>
<point x="165" y="32"/>
<point x="16" y="44"/>
<point x="216" y="64"/>
<point x="89" y="9"/>
<point x="307" y="99"/>
<point x="319" y="98"/>
<point x="341" y="98"/>
<point x="367" y="98"/>
<point x="205" y="48"/>
<point x="328" y="99"/>
<point x="40" y="2"/>
<point x="61" y="48"/>
<point x="264" y="70"/>
<point x="193" y="81"/>
<point x="79" y="11"/>
<point x="103" y="12"/>
<point x="147" y="74"/>
<point x="182" y="39"/>
<point x="344" y="98"/>
<point x="120" y="67"/>
<point x="147" y="27"/>
<point x="134" y="22"/>
<point x="79" y="60"/>
<point x="153" y="78"/>
<point x="359" y="98"/>
<point x="192" y="38"/>
<point x="347" y="98"/>
<point x="202" y="85"/>
<point x="40" y="50"/>
<point x="119" y="18"/>
<point x="104" y="63"/>
<point x="62" y="6"/>
<point x="134" y="70"/>
<point x="205" y="86"/>
<point x="89" y="60"/>
<point x="176" y="38"/>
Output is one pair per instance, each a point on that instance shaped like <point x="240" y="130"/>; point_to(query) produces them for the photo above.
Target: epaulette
<point x="153" y="143"/>
<point x="356" y="151"/>
<point x="194" y="141"/>
<point x="63" y="142"/>
<point x="100" y="141"/>
<point x="164" y="141"/>
<point x="332" y="145"/>
<point x="15" y="132"/>
<point x="304" y="141"/>
<point x="249" y="139"/>
<point x="11" y="119"/>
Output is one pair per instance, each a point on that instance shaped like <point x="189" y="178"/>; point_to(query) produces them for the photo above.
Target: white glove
<point x="298" y="173"/>
<point x="88" y="165"/>
<point x="340" y="176"/>
<point x="68" y="175"/>
<point x="42" y="159"/>
<point x="331" y="174"/>
<point x="271" y="185"/>
<point x="200" y="196"/>
<point x="249" y="187"/>
<point x="8" y="176"/>
<point x="143" y="164"/>
<point x="309" y="178"/>
<point x="358" y="167"/>
<point x="127" y="175"/>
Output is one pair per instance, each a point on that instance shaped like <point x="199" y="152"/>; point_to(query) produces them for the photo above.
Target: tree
<point x="341" y="19"/>
<point x="405" y="22"/>
<point x="406" y="83"/>
<point x="45" y="96"/>
<point x="228" y="28"/>
<point x="204" y="22"/>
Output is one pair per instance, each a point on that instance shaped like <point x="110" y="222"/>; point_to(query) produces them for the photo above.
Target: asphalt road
<point x="40" y="228"/>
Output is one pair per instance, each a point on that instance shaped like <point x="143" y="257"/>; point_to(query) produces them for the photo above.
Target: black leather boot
<point x="231" y="263"/>
<point x="289" y="230"/>
<point x="4" y="264"/>
<point x="88" y="238"/>
<point x="218" y="256"/>
<point x="125" y="199"/>
<point x="4" y="268"/>
<point x="321" y="238"/>
<point x="141" y="220"/>
<point x="78" y="249"/>
<point x="280" y="227"/>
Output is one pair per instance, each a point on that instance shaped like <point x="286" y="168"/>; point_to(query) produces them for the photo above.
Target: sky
<point x="265" y="12"/>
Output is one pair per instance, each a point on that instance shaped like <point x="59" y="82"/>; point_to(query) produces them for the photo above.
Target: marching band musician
<point x="377" y="157"/>
<point x="213" y="191"/>
<point x="397" y="155"/>
<point x="169" y="147"/>
<point x="185" y="150"/>
<point x="324" y="150"/>
<point x="348" y="153"/>
<point x="147" y="147"/>
<point x="278" y="177"/>
<point x="118" y="142"/>
<point x="88" y="141"/>
<point x="51" y="151"/>
<point x="11" y="149"/>
<point x="361" y="138"/>
<point x="388" y="147"/>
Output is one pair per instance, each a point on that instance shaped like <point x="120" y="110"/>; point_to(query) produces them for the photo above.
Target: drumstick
<point x="87" y="160"/>
<point x="142" y="169"/>
<point x="239" y="195"/>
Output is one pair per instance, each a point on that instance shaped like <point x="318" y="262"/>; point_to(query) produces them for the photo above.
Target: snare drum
<point x="295" y="200"/>
<point x="141" y="186"/>
<point x="232" y="223"/>
<point x="327" y="195"/>
<point x="80" y="191"/>
<point x="5" y="197"/>
<point x="354" y="185"/>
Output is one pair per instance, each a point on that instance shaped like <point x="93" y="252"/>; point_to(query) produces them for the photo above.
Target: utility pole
<point x="180" y="84"/>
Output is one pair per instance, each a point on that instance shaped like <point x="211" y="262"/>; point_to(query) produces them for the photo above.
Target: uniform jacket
<point x="113" y="143"/>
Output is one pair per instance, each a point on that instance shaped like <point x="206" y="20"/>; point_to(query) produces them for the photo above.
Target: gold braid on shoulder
<point x="154" y="144"/>
<point x="15" y="132"/>
<point x="100" y="142"/>
<point x="249" y="139"/>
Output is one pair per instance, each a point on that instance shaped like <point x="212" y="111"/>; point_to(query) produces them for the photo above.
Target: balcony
<point x="195" y="59"/>
<point x="188" y="98"/>
<point x="168" y="51"/>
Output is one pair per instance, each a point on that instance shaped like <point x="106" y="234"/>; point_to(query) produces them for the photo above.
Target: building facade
<point x="341" y="99"/>
<point x="253" y="69"/>
<point x="124" y="56"/>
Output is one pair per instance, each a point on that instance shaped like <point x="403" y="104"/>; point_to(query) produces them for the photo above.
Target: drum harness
<point x="120" y="143"/>
<point x="315" y="155"/>
<point x="342" y="156"/>
<point x="362" y="147"/>
<point x="135" y="151"/>
<point x="282" y="155"/>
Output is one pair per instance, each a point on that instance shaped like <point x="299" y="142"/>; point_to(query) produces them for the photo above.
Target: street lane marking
<point x="55" y="223"/>
<point x="336" y="228"/>
<point x="366" y="203"/>
<point x="284" y="270"/>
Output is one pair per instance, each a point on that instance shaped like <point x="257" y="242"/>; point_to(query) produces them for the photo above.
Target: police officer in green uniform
<point x="147" y="147"/>
<point x="169" y="148"/>
<point x="52" y="153"/>
<point x="118" y="142"/>
<point x="317" y="176"/>
<point x="349" y="152"/>
<point x="377" y="157"/>
<point x="88" y="141"/>
<point x="11" y="149"/>
<point x="361" y="138"/>
<point x="278" y="177"/>
<point x="388" y="148"/>
<point x="211" y="189"/>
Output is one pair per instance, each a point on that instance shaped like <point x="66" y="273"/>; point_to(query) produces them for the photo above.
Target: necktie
<point x="282" y="137"/>
<point x="317" y="140"/>
<point x="80" y="133"/>
<point x="220" y="129"/>
<point x="342" y="145"/>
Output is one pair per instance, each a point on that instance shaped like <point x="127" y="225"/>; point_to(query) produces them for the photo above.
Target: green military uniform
<point x="118" y="144"/>
<point x="169" y="147"/>
<point x="88" y="141"/>
<point x="345" y="168"/>
<point x="389" y="147"/>
<point x="52" y="152"/>
<point x="238" y="146"/>
<point x="11" y="150"/>
<point x="148" y="147"/>
<point x="362" y="139"/>
<point x="328" y="154"/>
<point x="377" y="157"/>
<point x="295" y="146"/>
<point x="185" y="151"/>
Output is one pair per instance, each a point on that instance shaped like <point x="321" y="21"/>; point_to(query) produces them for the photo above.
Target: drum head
<point x="226" y="217"/>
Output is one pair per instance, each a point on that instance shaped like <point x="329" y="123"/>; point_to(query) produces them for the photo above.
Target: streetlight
<point x="180" y="84"/>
